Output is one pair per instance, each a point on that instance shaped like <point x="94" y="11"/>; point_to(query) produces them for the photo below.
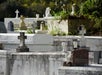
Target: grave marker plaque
<point x="10" y="26"/>
<point x="80" y="57"/>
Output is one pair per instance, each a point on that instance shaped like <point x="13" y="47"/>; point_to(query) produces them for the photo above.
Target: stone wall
<point x="45" y="42"/>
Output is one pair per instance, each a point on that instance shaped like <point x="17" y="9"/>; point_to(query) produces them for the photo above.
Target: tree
<point x="93" y="9"/>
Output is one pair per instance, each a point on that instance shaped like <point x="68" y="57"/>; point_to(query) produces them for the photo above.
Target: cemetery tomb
<point x="30" y="63"/>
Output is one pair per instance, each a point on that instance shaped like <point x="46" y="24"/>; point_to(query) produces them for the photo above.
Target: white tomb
<point x="51" y="22"/>
<point x="30" y="63"/>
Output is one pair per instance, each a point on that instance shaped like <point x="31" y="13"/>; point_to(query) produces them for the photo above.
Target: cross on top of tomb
<point x="22" y="47"/>
<point x="82" y="31"/>
<point x="17" y="12"/>
<point x="22" y="38"/>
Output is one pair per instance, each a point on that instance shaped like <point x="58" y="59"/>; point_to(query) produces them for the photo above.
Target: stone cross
<point x="17" y="12"/>
<point x="22" y="47"/>
<point x="34" y="25"/>
<point x="82" y="31"/>
<point x="22" y="38"/>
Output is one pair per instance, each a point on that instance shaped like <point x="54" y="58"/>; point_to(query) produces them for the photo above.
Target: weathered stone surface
<point x="4" y="61"/>
<point x="80" y="57"/>
<point x="30" y="63"/>
<point x="36" y="63"/>
<point x="93" y="42"/>
<point x="22" y="46"/>
<point x="90" y="70"/>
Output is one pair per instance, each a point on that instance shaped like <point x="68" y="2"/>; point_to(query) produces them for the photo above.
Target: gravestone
<point x="22" y="47"/>
<point x="10" y="26"/>
<point x="42" y="25"/>
<point x="80" y="57"/>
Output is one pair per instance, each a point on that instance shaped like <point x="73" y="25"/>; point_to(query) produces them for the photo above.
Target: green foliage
<point x="57" y="31"/>
<point x="98" y="23"/>
<point x="62" y="15"/>
<point x="29" y="8"/>
<point x="29" y="31"/>
<point x="93" y="9"/>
